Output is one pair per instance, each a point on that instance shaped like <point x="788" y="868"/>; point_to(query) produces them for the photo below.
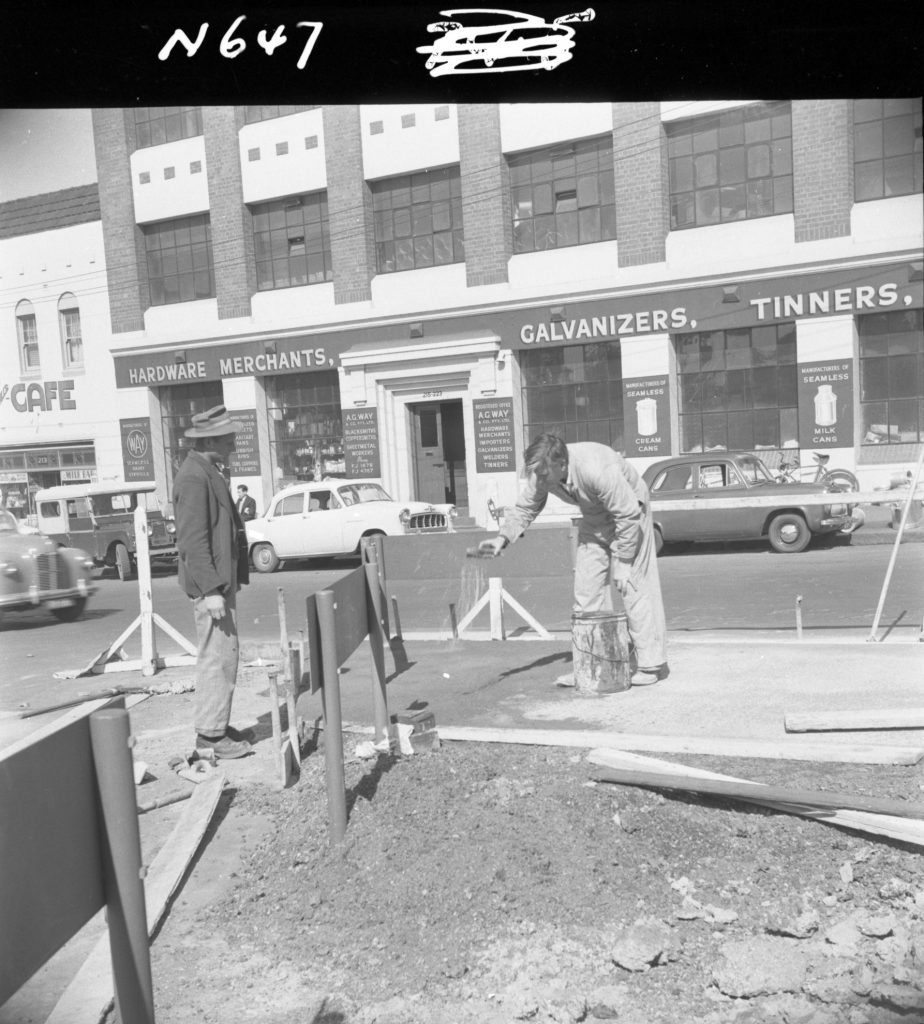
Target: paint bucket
<point x="600" y="651"/>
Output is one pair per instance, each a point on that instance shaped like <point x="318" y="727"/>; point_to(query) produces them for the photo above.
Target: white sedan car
<point x="330" y="517"/>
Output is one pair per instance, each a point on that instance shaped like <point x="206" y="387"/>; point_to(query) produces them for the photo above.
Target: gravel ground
<point x="501" y="883"/>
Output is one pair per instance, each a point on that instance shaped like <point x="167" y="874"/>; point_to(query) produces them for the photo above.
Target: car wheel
<point x="264" y="558"/>
<point x="72" y="612"/>
<point x="789" y="533"/>
<point x="123" y="562"/>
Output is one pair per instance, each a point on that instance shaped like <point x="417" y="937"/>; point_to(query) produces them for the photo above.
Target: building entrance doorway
<point x="439" y="452"/>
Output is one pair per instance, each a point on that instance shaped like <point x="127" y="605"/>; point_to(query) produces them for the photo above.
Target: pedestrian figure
<point x="246" y="506"/>
<point x="211" y="568"/>
<point x="615" y="539"/>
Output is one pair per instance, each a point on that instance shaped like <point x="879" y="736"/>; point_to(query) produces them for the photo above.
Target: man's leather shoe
<point x="240" y="734"/>
<point x="223" y="747"/>
<point x="647" y="676"/>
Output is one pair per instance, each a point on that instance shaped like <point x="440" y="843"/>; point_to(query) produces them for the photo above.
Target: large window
<point x="738" y="389"/>
<point x="892" y="376"/>
<point x="886" y="148"/>
<point x="71" y="335"/>
<point x="27" y="334"/>
<point x="734" y="165"/>
<point x="179" y="256"/>
<point x="306" y="430"/>
<point x="179" y="403"/>
<point x="574" y="391"/>
<point x="563" y="195"/>
<point x="418" y="220"/>
<point x="156" y="125"/>
<point x="265" y="113"/>
<point x="292" y="241"/>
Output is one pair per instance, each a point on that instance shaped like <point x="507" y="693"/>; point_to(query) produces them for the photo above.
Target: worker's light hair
<point x="545" y="450"/>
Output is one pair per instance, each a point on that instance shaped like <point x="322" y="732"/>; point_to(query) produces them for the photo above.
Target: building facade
<point x="412" y="292"/>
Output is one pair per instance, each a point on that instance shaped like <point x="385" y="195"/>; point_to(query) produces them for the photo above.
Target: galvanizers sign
<point x="826" y="404"/>
<point x="361" y="442"/>
<point x="646" y="412"/>
<point x="494" y="451"/>
<point x="137" y="458"/>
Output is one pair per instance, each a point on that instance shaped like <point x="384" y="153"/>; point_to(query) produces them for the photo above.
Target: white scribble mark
<point x="513" y="42"/>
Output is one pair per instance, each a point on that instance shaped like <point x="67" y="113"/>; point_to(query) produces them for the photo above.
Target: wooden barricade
<point x="69" y="846"/>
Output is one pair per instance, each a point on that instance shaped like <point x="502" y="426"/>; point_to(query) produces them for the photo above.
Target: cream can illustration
<point x="646" y="414"/>
<point x="825" y="406"/>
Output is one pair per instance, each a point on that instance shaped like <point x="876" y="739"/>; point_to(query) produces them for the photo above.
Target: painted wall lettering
<point x="41" y="395"/>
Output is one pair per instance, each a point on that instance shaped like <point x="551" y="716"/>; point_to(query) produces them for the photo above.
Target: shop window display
<point x="892" y="377"/>
<point x="738" y="389"/>
<point x="306" y="429"/>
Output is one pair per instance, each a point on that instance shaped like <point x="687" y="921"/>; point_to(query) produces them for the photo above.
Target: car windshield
<point x="355" y="494"/>
<point x="8" y="522"/>
<point x="754" y="471"/>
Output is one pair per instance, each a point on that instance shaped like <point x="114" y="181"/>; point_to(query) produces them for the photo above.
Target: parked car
<point x="330" y="517"/>
<point x="34" y="572"/>
<point x="709" y="477"/>
<point x="100" y="518"/>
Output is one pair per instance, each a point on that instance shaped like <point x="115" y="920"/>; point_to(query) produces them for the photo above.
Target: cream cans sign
<point x="646" y="414"/>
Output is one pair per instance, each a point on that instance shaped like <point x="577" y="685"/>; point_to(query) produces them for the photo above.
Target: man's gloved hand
<point x="621" y="573"/>
<point x="215" y="603"/>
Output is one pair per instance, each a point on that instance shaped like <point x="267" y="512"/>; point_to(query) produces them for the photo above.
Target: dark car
<point x="35" y="572"/>
<point x="729" y="491"/>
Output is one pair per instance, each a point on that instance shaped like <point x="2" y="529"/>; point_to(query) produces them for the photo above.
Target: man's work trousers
<point x="643" y="605"/>
<point x="216" y="666"/>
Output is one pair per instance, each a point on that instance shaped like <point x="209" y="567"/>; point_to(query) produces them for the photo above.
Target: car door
<point x="287" y="524"/>
<point x="325" y="522"/>
<point x="82" y="527"/>
<point x="719" y="480"/>
<point x="675" y="484"/>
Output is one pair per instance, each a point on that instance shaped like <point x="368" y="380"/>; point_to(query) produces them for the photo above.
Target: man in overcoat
<point x="615" y="538"/>
<point x="246" y="506"/>
<point x="211" y="568"/>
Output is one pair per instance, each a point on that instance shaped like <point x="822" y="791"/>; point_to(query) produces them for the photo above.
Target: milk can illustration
<point x="646" y="414"/>
<point x="825" y="406"/>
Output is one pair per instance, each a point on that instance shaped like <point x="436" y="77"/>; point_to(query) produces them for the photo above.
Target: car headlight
<point x="405" y="516"/>
<point x="88" y="564"/>
<point x="452" y="512"/>
<point x="837" y="510"/>
<point x="171" y="527"/>
<point x="9" y="569"/>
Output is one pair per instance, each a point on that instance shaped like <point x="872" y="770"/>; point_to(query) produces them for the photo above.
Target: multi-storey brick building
<point x="413" y="291"/>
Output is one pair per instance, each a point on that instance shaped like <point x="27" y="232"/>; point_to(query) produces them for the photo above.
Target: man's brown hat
<point x="212" y="423"/>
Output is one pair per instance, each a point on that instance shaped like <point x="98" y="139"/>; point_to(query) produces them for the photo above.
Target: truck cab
<point x="100" y="519"/>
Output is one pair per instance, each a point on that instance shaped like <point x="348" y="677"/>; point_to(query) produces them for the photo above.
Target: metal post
<point x="333" y="724"/>
<point x="143" y="562"/>
<point x="122" y="872"/>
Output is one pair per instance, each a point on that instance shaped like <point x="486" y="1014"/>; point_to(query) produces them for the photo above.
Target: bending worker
<point x="615" y="541"/>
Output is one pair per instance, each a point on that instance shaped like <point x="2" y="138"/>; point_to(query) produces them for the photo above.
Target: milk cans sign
<point x="646" y="414"/>
<point x="826" y="404"/>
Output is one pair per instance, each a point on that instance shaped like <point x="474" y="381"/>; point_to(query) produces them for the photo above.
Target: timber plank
<point x="786" y="748"/>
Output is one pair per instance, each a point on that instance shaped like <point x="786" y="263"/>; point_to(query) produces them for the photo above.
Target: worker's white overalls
<point x="616" y="523"/>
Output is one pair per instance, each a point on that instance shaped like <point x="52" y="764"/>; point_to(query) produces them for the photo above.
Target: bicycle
<point x="835" y="479"/>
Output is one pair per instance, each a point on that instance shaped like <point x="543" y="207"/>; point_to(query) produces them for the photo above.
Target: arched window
<point x="71" y="335"/>
<point x="27" y="332"/>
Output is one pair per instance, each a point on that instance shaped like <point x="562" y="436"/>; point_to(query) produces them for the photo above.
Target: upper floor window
<point x="418" y="220"/>
<point x="734" y="165"/>
<point x="292" y="241"/>
<point x="886" y="148"/>
<point x="179" y="260"/>
<point x="27" y="333"/>
<point x="892" y="376"/>
<point x="563" y="195"/>
<point x="156" y="125"/>
<point x="264" y="113"/>
<point x="738" y="389"/>
<point x="71" y="335"/>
